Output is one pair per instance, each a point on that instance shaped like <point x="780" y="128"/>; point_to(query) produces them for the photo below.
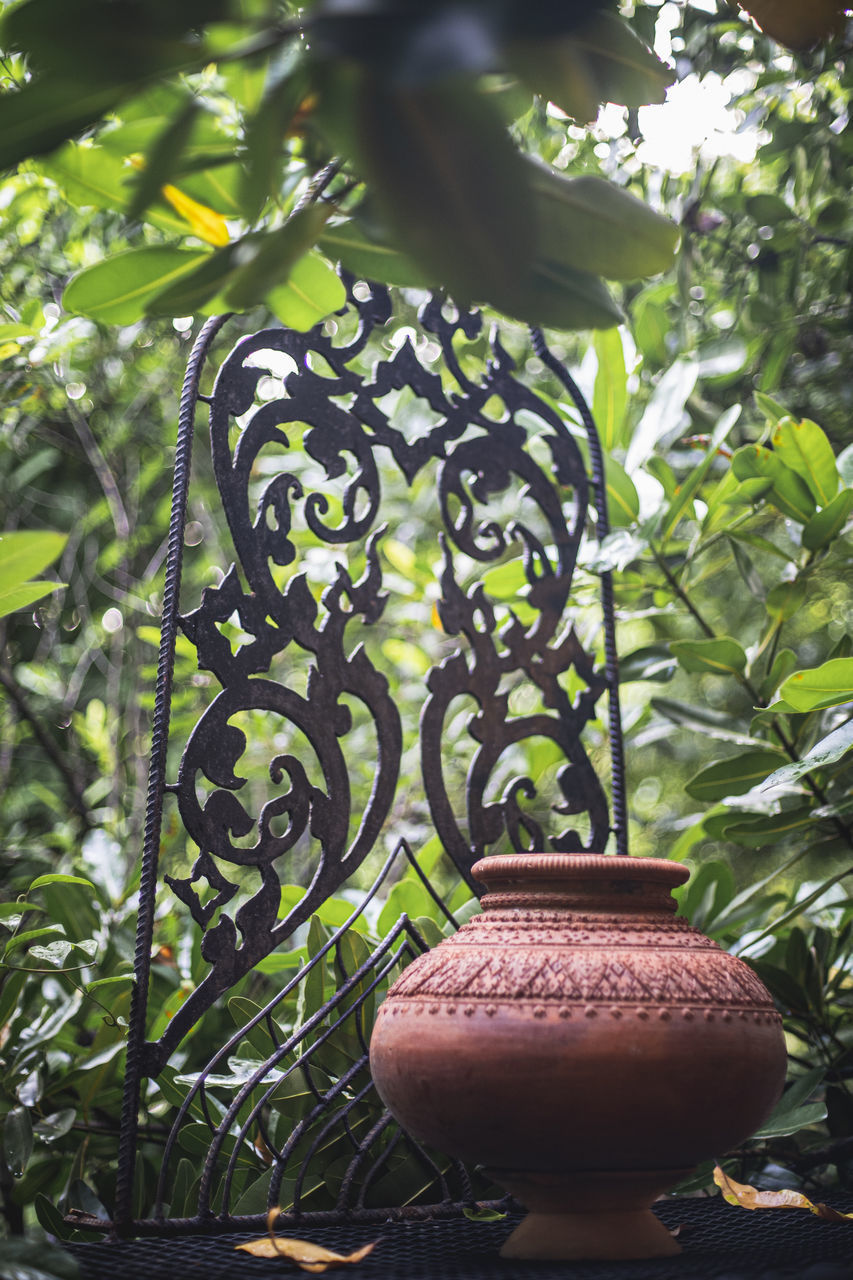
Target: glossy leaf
<point x="828" y="751"/>
<point x="312" y="292"/>
<point x="824" y="526"/>
<point x="117" y="290"/>
<point x="26" y="594"/>
<point x="768" y="829"/>
<point x="652" y="662"/>
<point x="720" y="657"/>
<point x="804" y="447"/>
<point x="787" y="490"/>
<point x="828" y="685"/>
<point x="733" y="776"/>
<point x="593" y="225"/>
<point x="17" y="1141"/>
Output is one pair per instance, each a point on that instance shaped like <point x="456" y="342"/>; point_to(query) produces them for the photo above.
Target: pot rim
<point x="579" y="866"/>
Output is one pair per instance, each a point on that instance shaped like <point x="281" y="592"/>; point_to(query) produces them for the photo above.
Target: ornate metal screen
<point x="372" y="720"/>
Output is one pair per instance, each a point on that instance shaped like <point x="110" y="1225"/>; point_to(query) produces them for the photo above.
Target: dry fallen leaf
<point x="751" y="1198"/>
<point x="308" y="1256"/>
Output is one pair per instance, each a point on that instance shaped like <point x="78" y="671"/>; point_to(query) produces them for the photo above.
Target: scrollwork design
<point x="495" y="494"/>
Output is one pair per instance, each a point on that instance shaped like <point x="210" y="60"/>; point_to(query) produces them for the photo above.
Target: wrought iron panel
<point x="325" y="446"/>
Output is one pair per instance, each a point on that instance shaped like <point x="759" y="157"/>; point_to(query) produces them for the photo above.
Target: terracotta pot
<point x="584" y="1044"/>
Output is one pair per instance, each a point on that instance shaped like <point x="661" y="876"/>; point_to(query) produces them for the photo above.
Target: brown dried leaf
<point x="308" y="1256"/>
<point x="751" y="1198"/>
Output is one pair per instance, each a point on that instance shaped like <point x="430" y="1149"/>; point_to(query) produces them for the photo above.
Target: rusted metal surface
<point x="506" y="474"/>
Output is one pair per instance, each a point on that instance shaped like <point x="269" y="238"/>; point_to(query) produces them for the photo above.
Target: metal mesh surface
<point x="719" y="1242"/>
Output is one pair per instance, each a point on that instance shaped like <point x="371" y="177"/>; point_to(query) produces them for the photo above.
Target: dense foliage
<point x="721" y="400"/>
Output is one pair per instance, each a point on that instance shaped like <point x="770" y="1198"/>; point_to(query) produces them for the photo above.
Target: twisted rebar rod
<point x="611" y="660"/>
<point x="135" y="1067"/>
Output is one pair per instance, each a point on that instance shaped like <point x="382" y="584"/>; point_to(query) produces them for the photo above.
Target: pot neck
<point x="585" y="882"/>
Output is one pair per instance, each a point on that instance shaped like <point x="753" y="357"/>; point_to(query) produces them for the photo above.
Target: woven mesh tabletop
<point x="719" y="1242"/>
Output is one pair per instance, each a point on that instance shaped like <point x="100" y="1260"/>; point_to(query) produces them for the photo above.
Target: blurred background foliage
<point x="218" y="151"/>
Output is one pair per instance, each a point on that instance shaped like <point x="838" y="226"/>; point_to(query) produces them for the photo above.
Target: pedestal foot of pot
<point x="568" y="1237"/>
<point x="593" y="1215"/>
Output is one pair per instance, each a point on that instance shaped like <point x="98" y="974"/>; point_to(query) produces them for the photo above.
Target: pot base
<point x="594" y="1215"/>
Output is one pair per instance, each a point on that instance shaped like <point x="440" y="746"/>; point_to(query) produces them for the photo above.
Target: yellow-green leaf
<point x="312" y="292"/>
<point x="804" y="447"/>
<point x="721" y="657"/>
<point x="826" y="525"/>
<point x="117" y="290"/>
<point x="826" y="686"/>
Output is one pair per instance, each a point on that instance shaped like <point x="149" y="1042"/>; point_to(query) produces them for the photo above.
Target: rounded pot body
<point x="578" y="1027"/>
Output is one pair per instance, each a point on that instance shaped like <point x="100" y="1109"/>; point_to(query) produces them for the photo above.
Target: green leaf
<point x="767" y="209"/>
<point x="349" y="243"/>
<point x="829" y="750"/>
<point x="733" y="776"/>
<point x="117" y="290"/>
<point x="773" y="411"/>
<point x="825" y="525"/>
<point x="610" y="394"/>
<point x="23" y="554"/>
<point x="558" y="297"/>
<point x="201" y="290"/>
<point x="804" y="447"/>
<point x="55" y="877"/>
<point x="55" y="1126"/>
<point x="592" y="225"/>
<point x="603" y="60"/>
<point x="21" y="597"/>
<point x="785" y="599"/>
<point x="46" y="112"/>
<point x="690" y="486"/>
<point x="17" y="1141"/>
<point x="19" y="940"/>
<point x="287" y="86"/>
<point x="448" y="183"/>
<point x="163" y="157"/>
<point x="312" y="292"/>
<point x="664" y="412"/>
<point x="722" y="656"/>
<point x="652" y="662"/>
<point x="788" y="491"/>
<point x="767" y="829"/>
<point x="784" y="1123"/>
<point x="269" y="260"/>
<point x="483" y="1215"/>
<point x="623" y="501"/>
<point x="94" y="177"/>
<point x="826" y="686"/>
